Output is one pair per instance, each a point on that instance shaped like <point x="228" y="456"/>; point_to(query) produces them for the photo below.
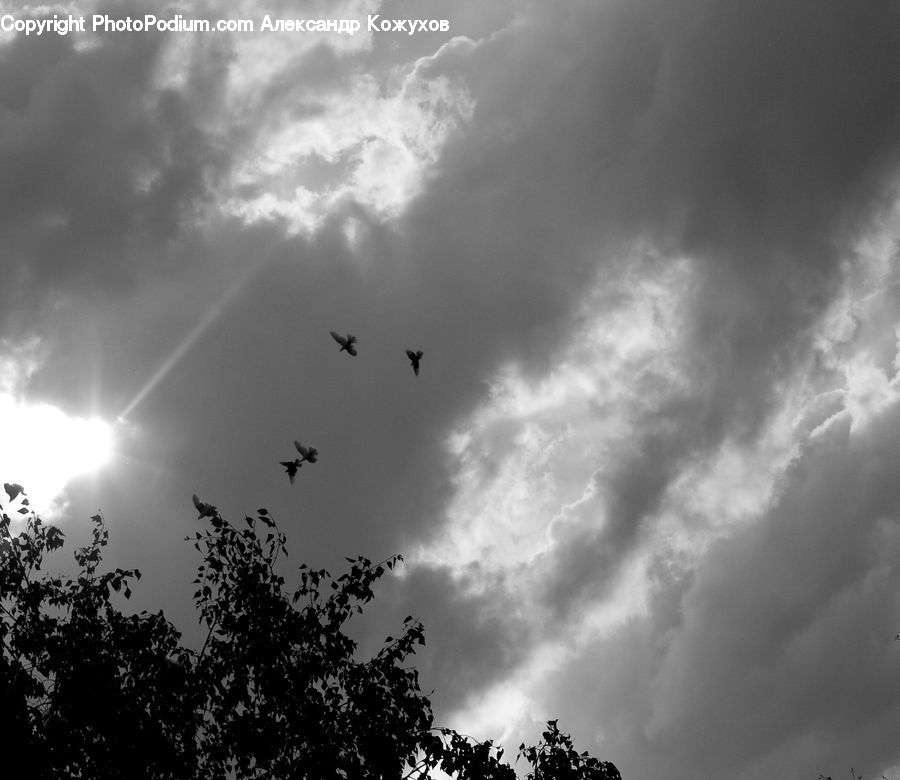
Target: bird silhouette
<point x="291" y="467"/>
<point x="205" y="510"/>
<point x="309" y="454"/>
<point x="12" y="490"/>
<point x="414" y="358"/>
<point x="348" y="342"/>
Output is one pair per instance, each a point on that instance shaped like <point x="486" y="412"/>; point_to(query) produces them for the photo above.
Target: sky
<point x="645" y="482"/>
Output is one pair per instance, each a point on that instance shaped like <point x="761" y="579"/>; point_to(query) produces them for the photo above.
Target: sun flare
<point x="45" y="449"/>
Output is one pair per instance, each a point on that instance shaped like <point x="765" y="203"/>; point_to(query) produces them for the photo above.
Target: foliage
<point x="88" y="692"/>
<point x="555" y="758"/>
<point x="275" y="691"/>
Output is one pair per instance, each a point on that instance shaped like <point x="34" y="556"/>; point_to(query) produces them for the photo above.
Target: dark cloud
<point x="471" y="637"/>
<point x="795" y="614"/>
<point x="100" y="168"/>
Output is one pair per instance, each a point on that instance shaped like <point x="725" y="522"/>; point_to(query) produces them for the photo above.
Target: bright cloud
<point x="302" y="141"/>
<point x="532" y="461"/>
<point x="363" y="141"/>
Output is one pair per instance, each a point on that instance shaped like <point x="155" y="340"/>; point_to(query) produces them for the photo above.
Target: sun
<point x="44" y="449"/>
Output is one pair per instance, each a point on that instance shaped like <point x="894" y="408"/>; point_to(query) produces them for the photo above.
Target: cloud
<point x="99" y="169"/>
<point x="361" y="145"/>
<point x="758" y="163"/>
<point x="532" y="461"/>
<point x="747" y="596"/>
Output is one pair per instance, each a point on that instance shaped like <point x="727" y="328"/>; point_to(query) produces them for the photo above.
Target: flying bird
<point x="12" y="490"/>
<point x="348" y="342"/>
<point x="414" y="358"/>
<point x="309" y="454"/>
<point x="205" y="510"/>
<point x="291" y="467"/>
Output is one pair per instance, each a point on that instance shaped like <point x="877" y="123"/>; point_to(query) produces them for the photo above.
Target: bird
<point x="12" y="490"/>
<point x="348" y="342"/>
<point x="291" y="467"/>
<point x="205" y="510"/>
<point x="310" y="454"/>
<point x="414" y="358"/>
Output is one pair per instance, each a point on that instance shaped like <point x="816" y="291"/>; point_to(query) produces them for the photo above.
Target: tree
<point x="275" y="690"/>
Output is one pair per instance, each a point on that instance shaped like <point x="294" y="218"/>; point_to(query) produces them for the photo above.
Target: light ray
<point x="188" y="342"/>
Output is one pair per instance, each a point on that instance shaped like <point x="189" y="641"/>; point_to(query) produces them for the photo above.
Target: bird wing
<point x="301" y="449"/>
<point x="338" y="338"/>
<point x="420" y="354"/>
<point x="205" y="510"/>
<point x="351" y="348"/>
<point x="351" y="339"/>
<point x="410" y="354"/>
<point x="290" y="466"/>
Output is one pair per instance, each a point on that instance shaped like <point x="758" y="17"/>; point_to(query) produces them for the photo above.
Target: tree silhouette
<point x="275" y="691"/>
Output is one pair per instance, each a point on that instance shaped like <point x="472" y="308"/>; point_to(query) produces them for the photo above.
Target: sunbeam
<point x="189" y="341"/>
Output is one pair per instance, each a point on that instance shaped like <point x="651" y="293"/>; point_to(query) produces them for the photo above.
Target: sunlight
<point x="45" y="449"/>
<point x="188" y="342"/>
